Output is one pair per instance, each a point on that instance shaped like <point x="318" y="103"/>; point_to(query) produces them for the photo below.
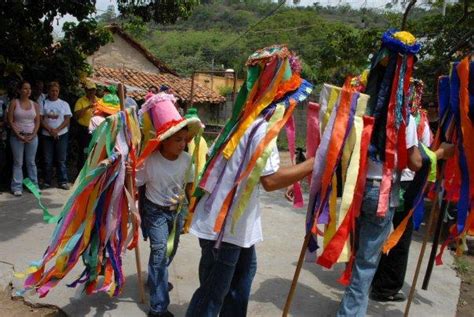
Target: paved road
<point x="24" y="237"/>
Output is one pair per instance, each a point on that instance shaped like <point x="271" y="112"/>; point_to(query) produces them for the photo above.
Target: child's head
<point x="175" y="144"/>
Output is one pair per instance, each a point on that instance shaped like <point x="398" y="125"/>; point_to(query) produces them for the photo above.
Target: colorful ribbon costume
<point x="95" y="223"/>
<point x="273" y="88"/>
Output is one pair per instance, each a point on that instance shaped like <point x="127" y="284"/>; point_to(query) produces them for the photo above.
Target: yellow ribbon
<point x="261" y="104"/>
<point x="254" y="177"/>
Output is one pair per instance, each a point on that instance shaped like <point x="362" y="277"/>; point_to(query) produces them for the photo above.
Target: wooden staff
<point x="297" y="274"/>
<point x="434" y="211"/>
<point x="129" y="185"/>
<point x="434" y="247"/>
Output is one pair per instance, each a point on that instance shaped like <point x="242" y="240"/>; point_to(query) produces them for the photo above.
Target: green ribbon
<point x="47" y="217"/>
<point x="434" y="163"/>
<point x="170" y="243"/>
<point x="253" y="74"/>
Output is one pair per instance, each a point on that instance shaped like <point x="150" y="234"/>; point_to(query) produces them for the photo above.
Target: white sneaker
<point x="17" y="193"/>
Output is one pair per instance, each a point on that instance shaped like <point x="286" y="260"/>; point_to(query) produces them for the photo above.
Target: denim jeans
<point x="392" y="268"/>
<point x="372" y="233"/>
<point x="159" y="223"/>
<point x="55" y="148"/>
<point x="225" y="277"/>
<point x="23" y="152"/>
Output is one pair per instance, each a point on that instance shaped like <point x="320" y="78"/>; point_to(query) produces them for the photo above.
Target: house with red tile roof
<point x="126" y="60"/>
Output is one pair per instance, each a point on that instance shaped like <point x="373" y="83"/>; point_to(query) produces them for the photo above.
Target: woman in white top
<point x="55" y="117"/>
<point x="24" y="119"/>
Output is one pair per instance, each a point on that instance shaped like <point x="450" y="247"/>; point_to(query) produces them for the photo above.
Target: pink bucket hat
<point x="166" y="118"/>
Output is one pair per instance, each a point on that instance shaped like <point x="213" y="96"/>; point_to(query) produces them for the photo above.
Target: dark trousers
<point x="225" y="277"/>
<point x="392" y="268"/>
<point x="84" y="137"/>
<point x="55" y="148"/>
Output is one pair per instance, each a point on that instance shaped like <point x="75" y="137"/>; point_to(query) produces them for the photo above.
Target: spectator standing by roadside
<point x="37" y="93"/>
<point x="83" y="112"/>
<point x="24" y="120"/>
<point x="55" y="118"/>
<point x="6" y="160"/>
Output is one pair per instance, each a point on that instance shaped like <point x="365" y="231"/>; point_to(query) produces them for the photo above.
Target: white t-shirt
<point x="248" y="229"/>
<point x="408" y="174"/>
<point x="165" y="179"/>
<point x="54" y="113"/>
<point x="375" y="169"/>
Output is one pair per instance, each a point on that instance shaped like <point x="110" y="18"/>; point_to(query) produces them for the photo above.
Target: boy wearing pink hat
<point x="167" y="173"/>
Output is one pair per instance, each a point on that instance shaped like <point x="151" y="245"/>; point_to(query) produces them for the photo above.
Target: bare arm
<point x="37" y="119"/>
<point x="445" y="151"/>
<point x="79" y="113"/>
<point x="286" y="176"/>
<point x="189" y="191"/>
<point x="11" y="111"/>
<point x="414" y="159"/>
<point x="64" y="124"/>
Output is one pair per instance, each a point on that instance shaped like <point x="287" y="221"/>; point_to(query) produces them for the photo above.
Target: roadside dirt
<point x="17" y="307"/>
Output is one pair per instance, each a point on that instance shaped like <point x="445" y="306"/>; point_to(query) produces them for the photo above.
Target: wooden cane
<point x="434" y="246"/>
<point x="434" y="211"/>
<point x="129" y="186"/>
<point x="296" y="275"/>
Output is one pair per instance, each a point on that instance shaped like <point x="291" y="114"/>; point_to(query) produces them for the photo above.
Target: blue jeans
<point x="55" y="148"/>
<point x="158" y="223"/>
<point x="23" y="152"/>
<point x="225" y="277"/>
<point x="372" y="233"/>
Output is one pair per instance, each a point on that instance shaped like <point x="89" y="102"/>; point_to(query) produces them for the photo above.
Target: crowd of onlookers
<point x="35" y="133"/>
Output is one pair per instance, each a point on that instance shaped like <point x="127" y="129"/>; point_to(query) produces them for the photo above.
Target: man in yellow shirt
<point x="83" y="112"/>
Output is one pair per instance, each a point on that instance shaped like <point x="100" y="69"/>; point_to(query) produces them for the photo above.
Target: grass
<point x="462" y="265"/>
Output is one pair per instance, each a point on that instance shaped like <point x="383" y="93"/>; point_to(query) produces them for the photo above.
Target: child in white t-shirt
<point x="167" y="175"/>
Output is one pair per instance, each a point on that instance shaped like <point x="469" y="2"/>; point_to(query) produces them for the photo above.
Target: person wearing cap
<point x="83" y="112"/>
<point x="200" y="158"/>
<point x="168" y="175"/>
<point x="109" y="105"/>
<point x="203" y="148"/>
<point x="55" y="118"/>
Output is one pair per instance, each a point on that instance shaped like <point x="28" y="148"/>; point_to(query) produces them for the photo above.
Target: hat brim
<point x="194" y="126"/>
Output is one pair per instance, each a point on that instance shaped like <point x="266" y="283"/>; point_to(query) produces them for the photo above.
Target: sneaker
<point x="45" y="186"/>
<point x="17" y="193"/>
<point x="64" y="186"/>
<point x="163" y="314"/>
<point x="398" y="297"/>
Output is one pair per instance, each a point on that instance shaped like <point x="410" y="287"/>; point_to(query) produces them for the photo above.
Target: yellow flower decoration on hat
<point x="405" y="37"/>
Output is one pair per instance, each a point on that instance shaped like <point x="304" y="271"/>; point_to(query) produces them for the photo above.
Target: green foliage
<point x="332" y="42"/>
<point x="29" y="51"/>
<point x="213" y="36"/>
<point x="225" y="90"/>
<point x="159" y="11"/>
<point x="445" y="39"/>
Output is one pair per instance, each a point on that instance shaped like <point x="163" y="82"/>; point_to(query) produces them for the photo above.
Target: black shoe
<point x="170" y="287"/>
<point x="164" y="314"/>
<point x="398" y="297"/>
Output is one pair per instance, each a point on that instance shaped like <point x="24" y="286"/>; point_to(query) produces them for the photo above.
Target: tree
<point x="108" y="16"/>
<point x="28" y="49"/>
<point x="160" y="11"/>
<point x="26" y="32"/>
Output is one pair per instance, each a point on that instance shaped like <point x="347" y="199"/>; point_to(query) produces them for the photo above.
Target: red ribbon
<point x="333" y="249"/>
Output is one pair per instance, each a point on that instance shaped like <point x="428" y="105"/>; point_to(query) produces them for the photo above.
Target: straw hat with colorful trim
<point x="165" y="117"/>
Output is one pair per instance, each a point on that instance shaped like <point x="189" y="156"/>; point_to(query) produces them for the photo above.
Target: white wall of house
<point x="119" y="53"/>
